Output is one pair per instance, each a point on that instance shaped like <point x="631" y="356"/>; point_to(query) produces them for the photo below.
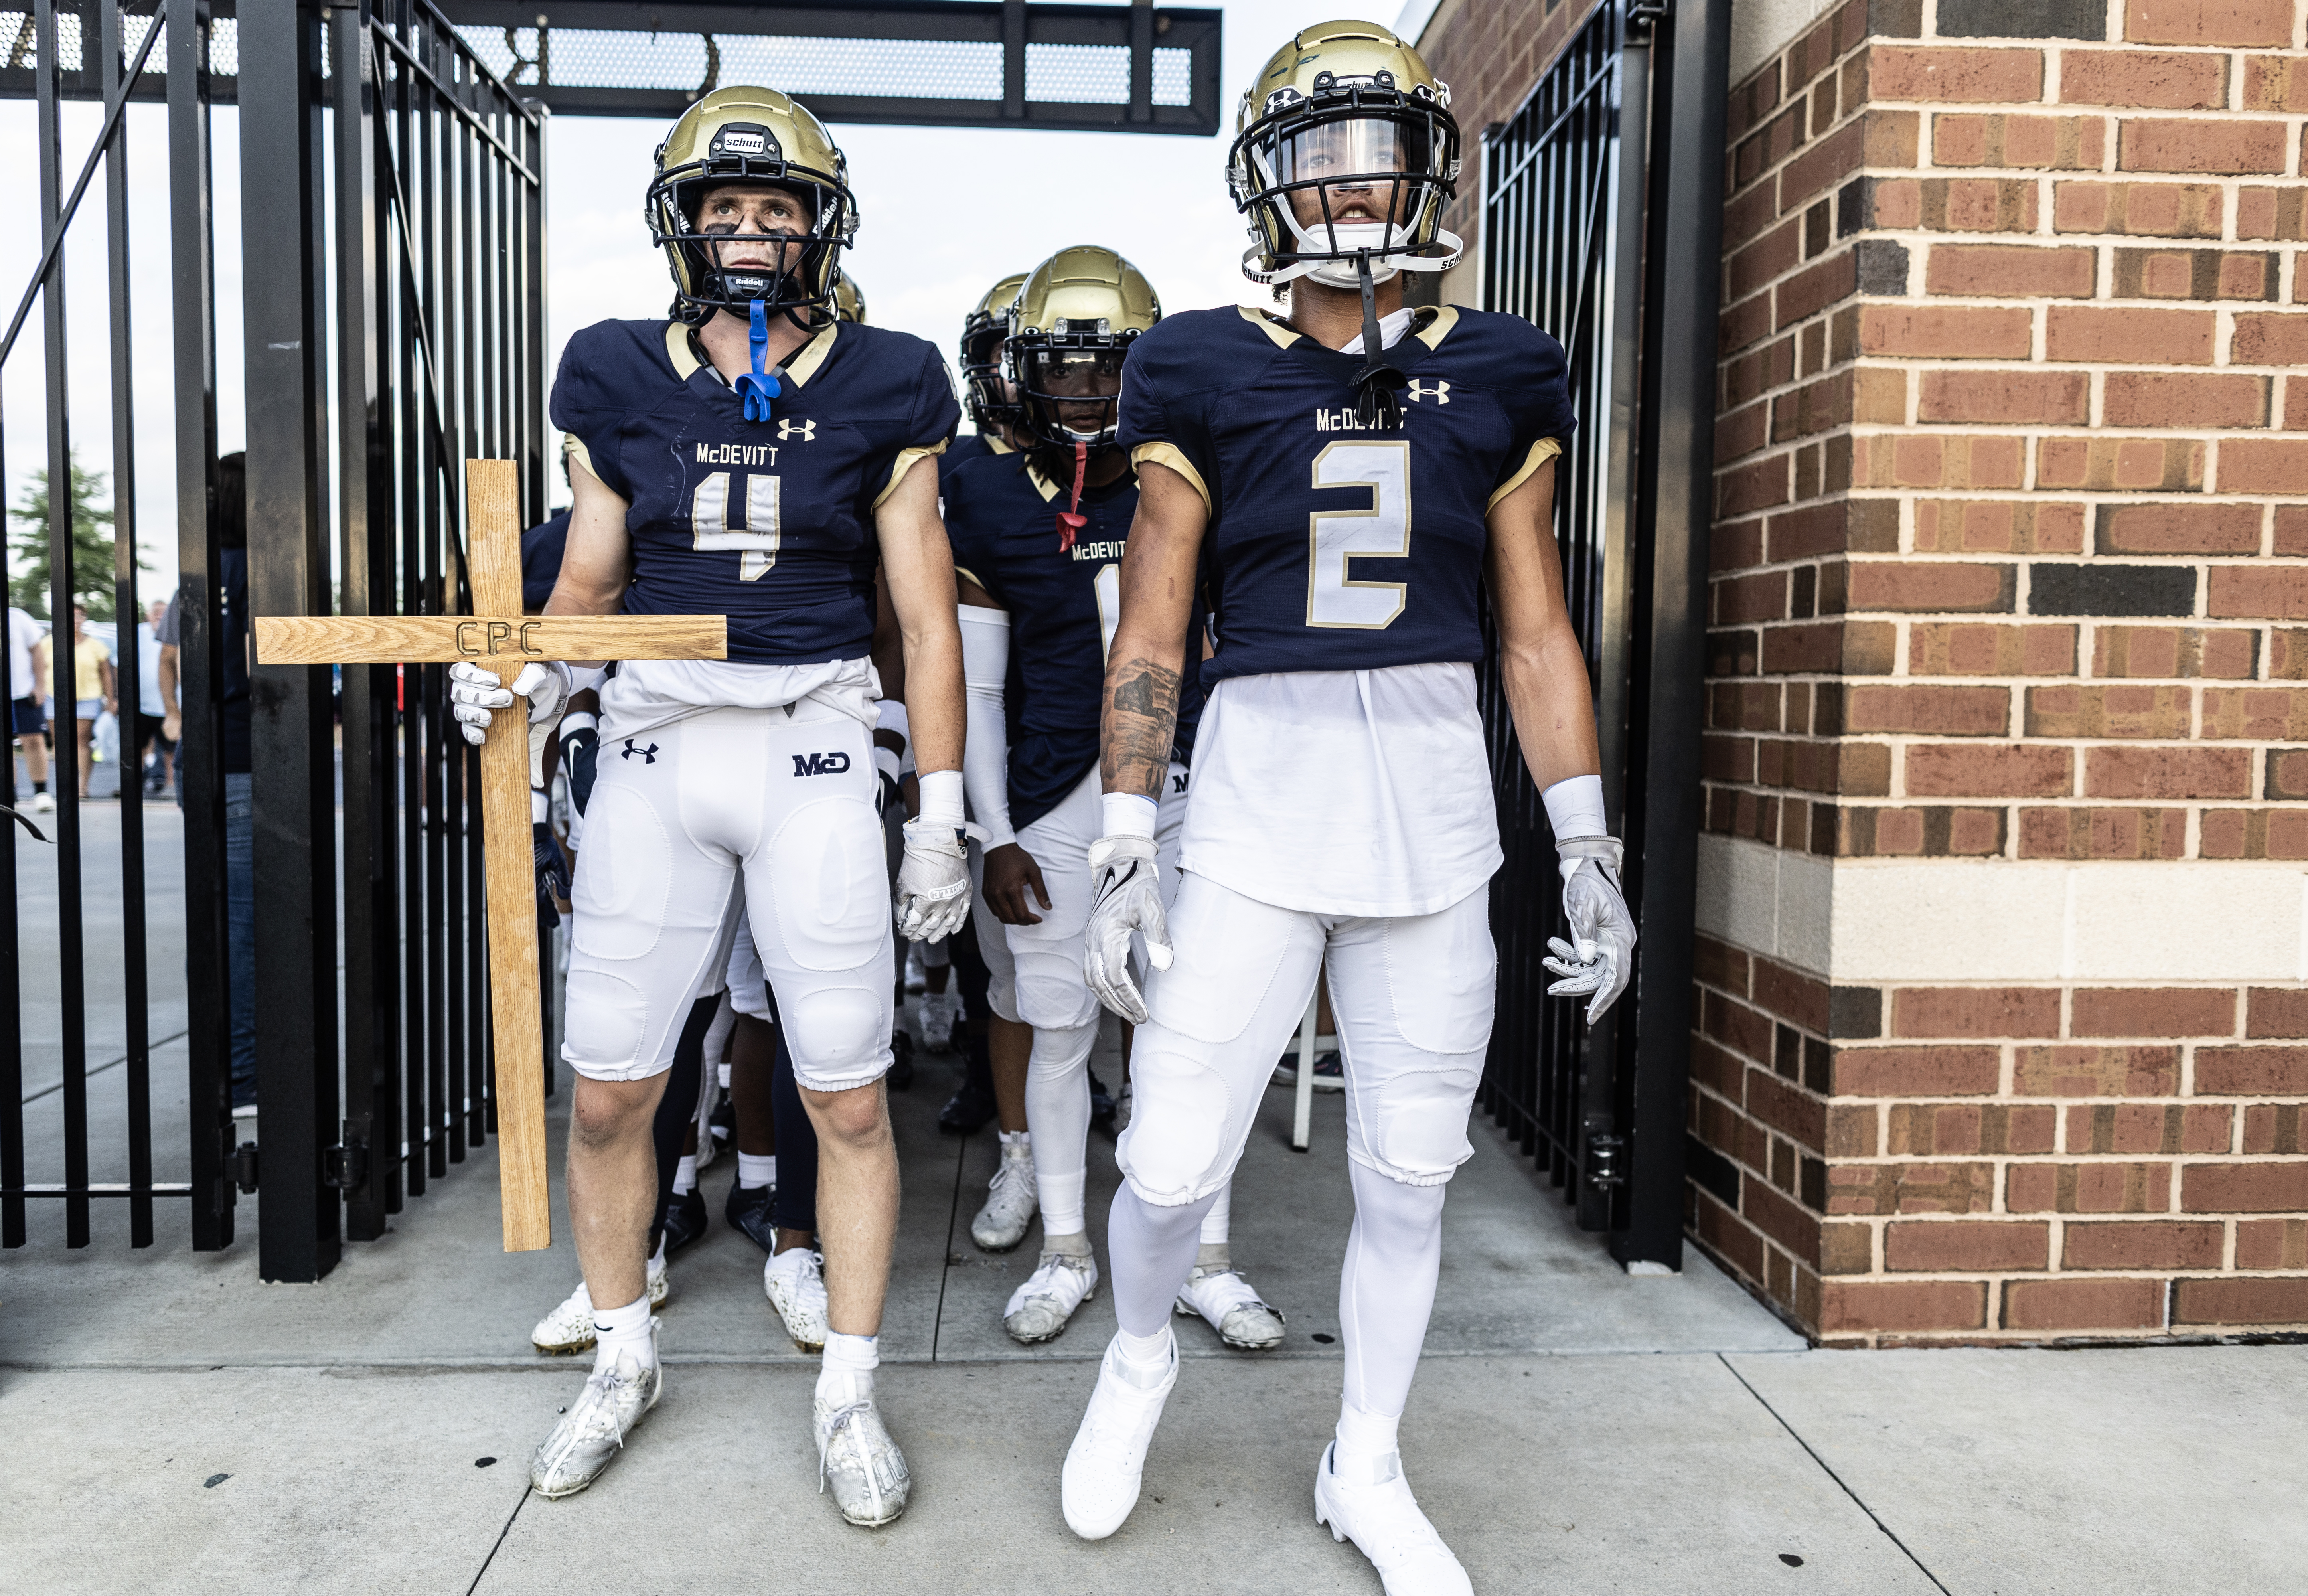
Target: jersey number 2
<point x="709" y="522"/>
<point x="1335" y="538"/>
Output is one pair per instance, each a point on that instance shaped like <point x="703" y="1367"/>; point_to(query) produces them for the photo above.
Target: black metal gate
<point x="1601" y="205"/>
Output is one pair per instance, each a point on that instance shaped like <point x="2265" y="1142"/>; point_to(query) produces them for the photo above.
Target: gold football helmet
<point x="982" y="332"/>
<point x="755" y="135"/>
<point x="1344" y="153"/>
<point x="848" y="299"/>
<point x="1068" y="335"/>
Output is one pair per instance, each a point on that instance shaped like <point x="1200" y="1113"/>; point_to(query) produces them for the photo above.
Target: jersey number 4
<point x="709" y="522"/>
<point x="1336" y="537"/>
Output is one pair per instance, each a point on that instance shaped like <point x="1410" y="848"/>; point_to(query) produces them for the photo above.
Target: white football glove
<point x="1602" y="963"/>
<point x="933" y="894"/>
<point x="1128" y="898"/>
<point x="474" y="692"/>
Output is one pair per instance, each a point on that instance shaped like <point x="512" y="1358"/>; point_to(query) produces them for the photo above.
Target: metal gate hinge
<point x="346" y="1167"/>
<point x="1603" y="1168"/>
<point x="244" y="1167"/>
<point x="1643" y="15"/>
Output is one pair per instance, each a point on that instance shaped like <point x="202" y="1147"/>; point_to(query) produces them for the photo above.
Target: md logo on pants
<point x="821" y="765"/>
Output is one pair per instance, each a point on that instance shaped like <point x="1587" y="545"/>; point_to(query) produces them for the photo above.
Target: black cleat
<point x="748" y="1210"/>
<point x="966" y="1110"/>
<point x="684" y="1220"/>
<point x="1101" y="1102"/>
<point x="902" y="1061"/>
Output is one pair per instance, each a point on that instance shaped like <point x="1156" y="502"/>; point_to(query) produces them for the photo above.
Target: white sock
<point x="1219" y="1220"/>
<point x="757" y="1170"/>
<point x="1057" y="1105"/>
<point x="625" y="1329"/>
<point x="846" y="1374"/>
<point x="1366" y="1452"/>
<point x="1144" y="1360"/>
<point x="656" y="1258"/>
<point x="685" y="1175"/>
<point x="1016" y="1143"/>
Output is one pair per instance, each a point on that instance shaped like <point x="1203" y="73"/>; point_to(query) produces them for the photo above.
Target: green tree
<point x="91" y="524"/>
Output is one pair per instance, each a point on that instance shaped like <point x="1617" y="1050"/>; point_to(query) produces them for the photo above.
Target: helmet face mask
<point x="752" y="139"/>
<point x="1067" y="338"/>
<point x="993" y="402"/>
<point x="1347" y="166"/>
<point x="1069" y="387"/>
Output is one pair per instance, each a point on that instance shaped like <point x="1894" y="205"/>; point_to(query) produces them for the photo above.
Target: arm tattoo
<point x="1138" y="726"/>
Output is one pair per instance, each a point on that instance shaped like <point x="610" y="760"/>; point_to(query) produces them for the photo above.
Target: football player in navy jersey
<point x="988" y="395"/>
<point x="1345" y="480"/>
<point x="749" y="457"/>
<point x="1037" y="542"/>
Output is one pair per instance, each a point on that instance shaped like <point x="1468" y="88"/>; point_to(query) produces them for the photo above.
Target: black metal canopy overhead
<point x="1075" y="67"/>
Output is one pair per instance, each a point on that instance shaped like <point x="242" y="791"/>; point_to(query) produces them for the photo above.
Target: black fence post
<point x="200" y="771"/>
<point x="1686" y="205"/>
<point x="292" y="743"/>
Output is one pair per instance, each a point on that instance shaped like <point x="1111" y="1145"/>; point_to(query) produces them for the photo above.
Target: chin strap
<point x="1379" y="405"/>
<point x="1070" y="520"/>
<point x="758" y="386"/>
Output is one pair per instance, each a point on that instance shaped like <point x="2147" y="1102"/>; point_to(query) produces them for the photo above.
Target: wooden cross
<point x="499" y="637"/>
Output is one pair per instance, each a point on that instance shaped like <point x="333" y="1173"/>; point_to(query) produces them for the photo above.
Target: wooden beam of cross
<point x="500" y="637"/>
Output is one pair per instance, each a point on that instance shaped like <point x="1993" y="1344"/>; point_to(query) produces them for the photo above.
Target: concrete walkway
<point x="173" y="1425"/>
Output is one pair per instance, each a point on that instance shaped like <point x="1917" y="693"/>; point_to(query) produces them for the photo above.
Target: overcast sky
<point x="945" y="212"/>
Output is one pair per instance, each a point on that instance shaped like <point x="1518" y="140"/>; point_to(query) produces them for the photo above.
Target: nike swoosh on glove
<point x="1602" y="962"/>
<point x="1128" y="899"/>
<point x="932" y="893"/>
<point x="581" y="756"/>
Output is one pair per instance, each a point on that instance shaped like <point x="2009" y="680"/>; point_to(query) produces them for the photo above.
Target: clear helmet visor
<point x="1354" y="183"/>
<point x="1074" y="391"/>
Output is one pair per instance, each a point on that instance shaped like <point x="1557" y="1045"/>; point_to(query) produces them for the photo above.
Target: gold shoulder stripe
<point x="995" y="442"/>
<point x="1170" y="455"/>
<point x="811" y="355"/>
<point x="572" y="448"/>
<point x="1541" y="451"/>
<point x="1042" y="485"/>
<point x="677" y="350"/>
<point x="905" y="462"/>
<point x="1436" y="331"/>
<point x="1282" y="333"/>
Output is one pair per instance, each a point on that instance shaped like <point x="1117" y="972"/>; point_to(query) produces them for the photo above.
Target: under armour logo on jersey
<point x="805" y="430"/>
<point x="649" y="754"/>
<point x="1439" y="392"/>
<point x="821" y="765"/>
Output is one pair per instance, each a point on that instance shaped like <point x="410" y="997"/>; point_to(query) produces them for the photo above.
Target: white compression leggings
<point x="1386" y="1291"/>
<point x="1057" y="1108"/>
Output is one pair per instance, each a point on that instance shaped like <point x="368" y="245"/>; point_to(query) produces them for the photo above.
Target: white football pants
<point x="776" y="805"/>
<point x="1053" y="996"/>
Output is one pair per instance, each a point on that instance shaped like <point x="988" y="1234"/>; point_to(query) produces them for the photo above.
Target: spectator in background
<point x="152" y="741"/>
<point x="92" y="689"/>
<point x="27" y="668"/>
<point x="232" y="756"/>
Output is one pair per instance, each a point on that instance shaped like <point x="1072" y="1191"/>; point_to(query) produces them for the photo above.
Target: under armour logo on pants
<point x="649" y="754"/>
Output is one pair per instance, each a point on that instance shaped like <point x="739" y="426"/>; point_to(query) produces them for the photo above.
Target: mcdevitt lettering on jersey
<point x="769" y="522"/>
<point x="1001" y="517"/>
<point x="1332" y="546"/>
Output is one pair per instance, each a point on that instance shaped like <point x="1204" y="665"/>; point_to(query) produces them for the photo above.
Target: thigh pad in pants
<point x="1413" y="999"/>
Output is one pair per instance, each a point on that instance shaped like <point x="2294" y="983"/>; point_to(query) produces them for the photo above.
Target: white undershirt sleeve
<point x="985" y="756"/>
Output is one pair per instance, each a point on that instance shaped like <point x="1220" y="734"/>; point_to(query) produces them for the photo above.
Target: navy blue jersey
<point x="541" y="548"/>
<point x="968" y="446"/>
<point x="1331" y="548"/>
<point x="767" y="523"/>
<point x="1002" y="518"/>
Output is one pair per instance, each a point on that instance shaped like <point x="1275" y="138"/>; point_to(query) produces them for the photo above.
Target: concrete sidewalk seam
<point x="98" y="1069"/>
<point x="498" y="1544"/>
<point x="1813" y="1453"/>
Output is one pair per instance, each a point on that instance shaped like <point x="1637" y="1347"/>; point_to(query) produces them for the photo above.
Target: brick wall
<point x="2001" y="1034"/>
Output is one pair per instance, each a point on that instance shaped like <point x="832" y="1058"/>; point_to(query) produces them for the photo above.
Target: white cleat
<point x="860" y="1463"/>
<point x="569" y="1328"/>
<point x="1239" y="1314"/>
<point x="1041" y="1308"/>
<point x="1011" y="1202"/>
<point x="1383" y="1521"/>
<point x="795" y="1280"/>
<point x="1107" y="1459"/>
<point x="940" y="1009"/>
<point x="593" y="1431"/>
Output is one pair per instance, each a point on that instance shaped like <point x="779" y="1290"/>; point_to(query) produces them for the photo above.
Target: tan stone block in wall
<point x="2077" y="833"/>
<point x="2056" y="1305"/>
<point x="2262" y="715"/>
<point x="2061" y="144"/>
<point x="2069" y="710"/>
<point x="1981" y="648"/>
<point x="2010" y="270"/>
<point x="2095" y="1071"/>
<point x="2121" y="465"/>
<point x="2163" y="80"/>
<point x="2130" y="337"/>
<point x="1913" y="1307"/>
<point x="2156" y="209"/>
